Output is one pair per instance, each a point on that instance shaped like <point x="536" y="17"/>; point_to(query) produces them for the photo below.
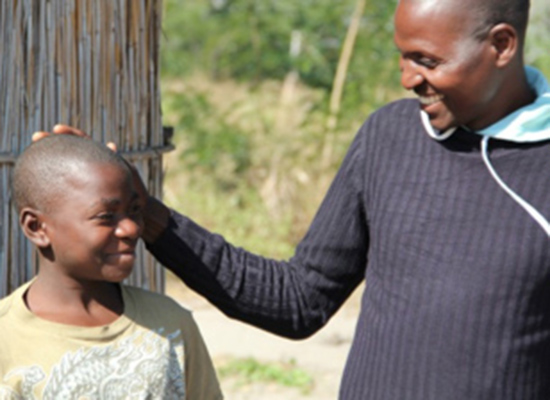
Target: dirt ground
<point x="322" y="356"/>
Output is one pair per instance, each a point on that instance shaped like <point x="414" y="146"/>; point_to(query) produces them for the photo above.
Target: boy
<point x="74" y="331"/>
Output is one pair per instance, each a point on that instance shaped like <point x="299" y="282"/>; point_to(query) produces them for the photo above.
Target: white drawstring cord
<point x="532" y="211"/>
<point x="430" y="130"/>
<point x="537" y="216"/>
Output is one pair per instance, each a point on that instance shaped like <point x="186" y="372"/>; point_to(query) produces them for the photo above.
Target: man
<point x="440" y="205"/>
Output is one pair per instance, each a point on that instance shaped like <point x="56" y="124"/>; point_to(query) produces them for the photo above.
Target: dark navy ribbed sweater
<point x="457" y="298"/>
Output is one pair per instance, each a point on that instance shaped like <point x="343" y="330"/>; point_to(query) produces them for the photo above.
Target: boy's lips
<point x="129" y="253"/>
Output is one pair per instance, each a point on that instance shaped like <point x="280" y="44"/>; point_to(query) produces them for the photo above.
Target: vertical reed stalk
<point x="87" y="63"/>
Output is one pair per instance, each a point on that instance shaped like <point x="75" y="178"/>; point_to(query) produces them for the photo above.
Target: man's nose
<point x="410" y="76"/>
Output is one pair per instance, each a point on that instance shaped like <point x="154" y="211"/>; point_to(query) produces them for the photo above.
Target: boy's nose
<point x="129" y="227"/>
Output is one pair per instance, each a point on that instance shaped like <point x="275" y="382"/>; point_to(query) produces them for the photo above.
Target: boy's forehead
<point x="87" y="182"/>
<point x="80" y="166"/>
<point x="75" y="172"/>
<point x="84" y="169"/>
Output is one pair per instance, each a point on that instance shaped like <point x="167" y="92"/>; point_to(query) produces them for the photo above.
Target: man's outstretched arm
<point x="291" y="298"/>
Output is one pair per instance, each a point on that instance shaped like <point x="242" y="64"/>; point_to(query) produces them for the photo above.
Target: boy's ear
<point x="33" y="225"/>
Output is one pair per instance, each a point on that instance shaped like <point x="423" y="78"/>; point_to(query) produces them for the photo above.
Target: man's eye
<point x="426" y="62"/>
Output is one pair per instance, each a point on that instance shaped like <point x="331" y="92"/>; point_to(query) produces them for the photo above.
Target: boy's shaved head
<point x="40" y="171"/>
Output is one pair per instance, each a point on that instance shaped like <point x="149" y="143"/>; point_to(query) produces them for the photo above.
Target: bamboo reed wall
<point x="92" y="64"/>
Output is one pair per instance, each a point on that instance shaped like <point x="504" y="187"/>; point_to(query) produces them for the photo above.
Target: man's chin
<point x="443" y="124"/>
<point x="438" y="122"/>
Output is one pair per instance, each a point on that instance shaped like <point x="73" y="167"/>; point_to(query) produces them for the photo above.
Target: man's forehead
<point x="456" y="13"/>
<point x="439" y="5"/>
<point x="431" y="28"/>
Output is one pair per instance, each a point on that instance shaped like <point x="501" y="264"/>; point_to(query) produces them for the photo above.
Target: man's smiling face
<point x="452" y="71"/>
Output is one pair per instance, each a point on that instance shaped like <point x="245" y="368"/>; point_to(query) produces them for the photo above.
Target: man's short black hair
<point x="512" y="12"/>
<point x="485" y="14"/>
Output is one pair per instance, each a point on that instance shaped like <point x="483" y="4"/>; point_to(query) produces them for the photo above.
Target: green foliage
<point x="251" y="40"/>
<point x="538" y="40"/>
<point x="249" y="370"/>
<point x="211" y="141"/>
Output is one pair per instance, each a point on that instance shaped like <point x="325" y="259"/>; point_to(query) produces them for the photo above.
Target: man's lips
<point x="429" y="100"/>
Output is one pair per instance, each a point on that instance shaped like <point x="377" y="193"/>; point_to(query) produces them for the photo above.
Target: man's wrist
<point x="155" y="218"/>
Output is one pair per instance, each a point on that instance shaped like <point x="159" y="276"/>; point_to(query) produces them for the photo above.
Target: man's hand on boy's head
<point x="61" y="129"/>
<point x="155" y="213"/>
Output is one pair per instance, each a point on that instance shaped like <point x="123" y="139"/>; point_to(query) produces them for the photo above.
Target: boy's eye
<point x="106" y="216"/>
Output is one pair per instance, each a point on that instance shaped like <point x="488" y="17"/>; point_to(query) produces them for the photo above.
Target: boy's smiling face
<point x="94" y="225"/>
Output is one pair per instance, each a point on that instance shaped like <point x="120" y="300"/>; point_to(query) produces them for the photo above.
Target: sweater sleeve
<point x="291" y="298"/>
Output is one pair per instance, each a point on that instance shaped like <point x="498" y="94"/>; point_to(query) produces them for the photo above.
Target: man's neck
<point x="518" y="93"/>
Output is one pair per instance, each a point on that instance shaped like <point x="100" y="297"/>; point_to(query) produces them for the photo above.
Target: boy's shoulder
<point x="7" y="303"/>
<point x="148" y="302"/>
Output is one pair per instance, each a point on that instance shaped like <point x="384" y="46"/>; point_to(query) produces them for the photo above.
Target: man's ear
<point x="505" y="42"/>
<point x="33" y="225"/>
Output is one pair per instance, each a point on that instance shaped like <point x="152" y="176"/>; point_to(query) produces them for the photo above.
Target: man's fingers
<point x="39" y="135"/>
<point x="112" y="146"/>
<point x="69" y="130"/>
<point x="61" y="129"/>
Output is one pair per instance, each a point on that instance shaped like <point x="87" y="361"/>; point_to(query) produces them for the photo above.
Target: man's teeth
<point x="429" y="100"/>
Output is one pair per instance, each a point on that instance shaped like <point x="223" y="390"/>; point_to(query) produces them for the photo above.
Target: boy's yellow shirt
<point x="154" y="350"/>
